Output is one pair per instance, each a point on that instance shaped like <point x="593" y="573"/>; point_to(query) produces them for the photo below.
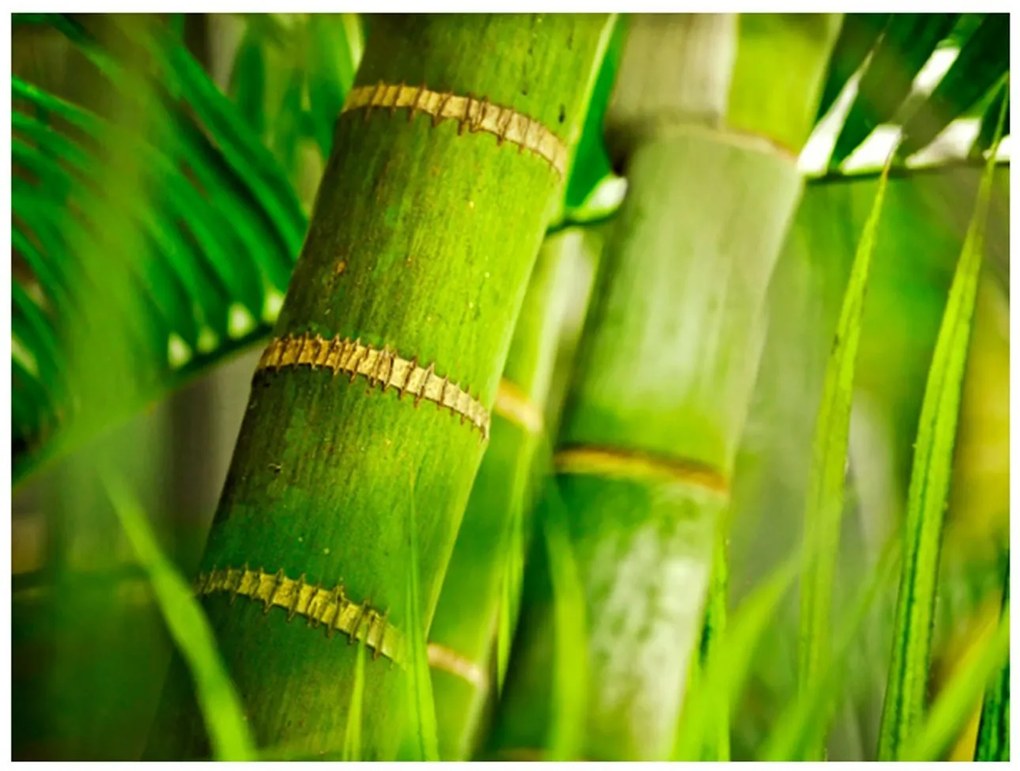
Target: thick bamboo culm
<point x="446" y="164"/>
<point x="666" y="367"/>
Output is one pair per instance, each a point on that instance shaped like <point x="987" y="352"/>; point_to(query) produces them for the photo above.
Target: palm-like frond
<point x="214" y="214"/>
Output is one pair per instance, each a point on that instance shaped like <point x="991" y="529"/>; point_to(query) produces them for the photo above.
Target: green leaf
<point x="929" y="486"/>
<point x="570" y="657"/>
<point x="248" y="81"/>
<point x="857" y="37"/>
<point x="423" y="708"/>
<point x="332" y="62"/>
<point x="958" y="698"/>
<point x="717" y="746"/>
<point x="823" y="510"/>
<point x="192" y="245"/>
<point x="217" y="698"/>
<point x="982" y="62"/>
<point x="726" y="670"/>
<point x="591" y="163"/>
<point x="905" y="47"/>
<point x="352" y="731"/>
<point x="993" y="730"/>
<point x="800" y="730"/>
<point x="983" y="142"/>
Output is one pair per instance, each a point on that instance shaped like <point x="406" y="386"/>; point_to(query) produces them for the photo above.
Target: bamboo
<point x="446" y="164"/>
<point x="667" y="362"/>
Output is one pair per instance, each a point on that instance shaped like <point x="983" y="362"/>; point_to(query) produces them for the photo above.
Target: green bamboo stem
<point x="447" y="161"/>
<point x="465" y="624"/>
<point x="667" y="362"/>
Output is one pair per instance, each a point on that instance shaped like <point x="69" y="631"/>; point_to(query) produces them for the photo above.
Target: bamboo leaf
<point x="420" y="679"/>
<point x="857" y="37"/>
<point x="929" y="485"/>
<point x="824" y="504"/>
<point x="982" y="62"/>
<point x="726" y="670"/>
<point x="248" y="80"/>
<point x="220" y="704"/>
<point x="989" y="121"/>
<point x="352" y="732"/>
<point x="957" y="700"/>
<point x="799" y="732"/>
<point x="591" y="161"/>
<point x="907" y="44"/>
<point x="570" y="660"/>
<point x="993" y="730"/>
<point x="717" y="745"/>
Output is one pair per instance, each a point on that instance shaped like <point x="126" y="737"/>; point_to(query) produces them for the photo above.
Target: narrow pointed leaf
<point x="904" y="704"/>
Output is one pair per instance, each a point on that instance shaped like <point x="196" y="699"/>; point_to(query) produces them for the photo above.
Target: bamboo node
<point x="456" y="664"/>
<point x="380" y="367"/>
<point x="632" y="464"/>
<point x="475" y="115"/>
<point x="329" y="607"/>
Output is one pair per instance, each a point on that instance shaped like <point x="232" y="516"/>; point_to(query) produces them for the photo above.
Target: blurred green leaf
<point x="981" y="64"/>
<point x="423" y="709"/>
<point x="220" y="704"/>
<point x="591" y="162"/>
<point x="823" y="511"/>
<point x="929" y="486"/>
<point x="957" y="700"/>
<point x="993" y="730"/>
<point x="905" y="47"/>
<point x="857" y="37"/>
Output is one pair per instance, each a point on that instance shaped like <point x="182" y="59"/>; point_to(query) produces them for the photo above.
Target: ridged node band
<point x="380" y="366"/>
<point x="330" y="607"/>
<point x="505" y="123"/>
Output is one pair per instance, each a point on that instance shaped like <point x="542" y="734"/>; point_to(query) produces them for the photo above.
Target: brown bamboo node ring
<point x="330" y="607"/>
<point x="630" y="464"/>
<point x="504" y="123"/>
<point x="452" y="662"/>
<point x="381" y="366"/>
<point x="514" y="405"/>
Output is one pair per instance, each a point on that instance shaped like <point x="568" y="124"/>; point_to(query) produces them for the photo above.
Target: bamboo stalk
<point x="667" y="362"/>
<point x="448" y="158"/>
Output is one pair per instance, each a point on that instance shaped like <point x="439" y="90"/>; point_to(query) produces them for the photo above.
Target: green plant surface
<point x="800" y="731"/>
<point x="205" y="283"/>
<point x="221" y="707"/>
<point x="423" y="730"/>
<point x="825" y="496"/>
<point x="857" y="36"/>
<point x="408" y="250"/>
<point x="899" y="54"/>
<point x="993" y="730"/>
<point x="484" y="571"/>
<point x="729" y="664"/>
<point x="659" y="389"/>
<point x="975" y="72"/>
<point x="929" y="486"/>
<point x="956" y="701"/>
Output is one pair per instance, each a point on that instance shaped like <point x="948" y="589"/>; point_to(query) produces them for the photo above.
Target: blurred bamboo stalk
<point x="668" y="359"/>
